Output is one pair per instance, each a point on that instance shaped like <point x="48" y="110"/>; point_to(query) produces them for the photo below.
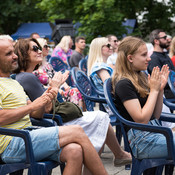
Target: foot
<point x="124" y="159"/>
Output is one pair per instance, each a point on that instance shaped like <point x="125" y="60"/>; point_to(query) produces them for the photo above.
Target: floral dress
<point x="45" y="72"/>
<point x="59" y="52"/>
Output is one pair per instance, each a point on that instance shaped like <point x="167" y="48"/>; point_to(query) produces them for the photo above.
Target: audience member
<point x="159" y="58"/>
<point x="34" y="35"/>
<point x="172" y="51"/>
<point x="169" y="39"/>
<point x="45" y="72"/>
<point x="113" y="57"/>
<point x="98" y="69"/>
<point x="139" y="98"/>
<point x="80" y="44"/>
<point x="66" y="143"/>
<point x="95" y="124"/>
<point x="63" y="48"/>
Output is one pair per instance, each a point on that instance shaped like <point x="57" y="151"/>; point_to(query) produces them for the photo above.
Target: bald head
<point x="8" y="59"/>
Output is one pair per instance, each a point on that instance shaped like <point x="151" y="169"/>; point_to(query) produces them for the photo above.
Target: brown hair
<point x="21" y="50"/>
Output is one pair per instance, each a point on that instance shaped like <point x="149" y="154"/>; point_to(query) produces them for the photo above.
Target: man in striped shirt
<point x="66" y="144"/>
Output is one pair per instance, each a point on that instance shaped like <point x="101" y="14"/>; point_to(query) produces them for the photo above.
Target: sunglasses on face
<point x="115" y="41"/>
<point x="46" y="46"/>
<point x="108" y="46"/>
<point x="163" y="37"/>
<point x="36" y="48"/>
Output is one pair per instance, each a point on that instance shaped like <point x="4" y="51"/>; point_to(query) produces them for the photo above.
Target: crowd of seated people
<point x="124" y="61"/>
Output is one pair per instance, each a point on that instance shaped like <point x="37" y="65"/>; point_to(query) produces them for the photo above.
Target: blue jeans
<point x="147" y="144"/>
<point x="45" y="142"/>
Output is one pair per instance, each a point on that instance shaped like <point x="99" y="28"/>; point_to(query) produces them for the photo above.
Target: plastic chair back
<point x="83" y="65"/>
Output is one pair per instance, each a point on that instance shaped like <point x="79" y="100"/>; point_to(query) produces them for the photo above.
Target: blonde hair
<point x="64" y="43"/>
<point x="124" y="69"/>
<point x="41" y="41"/>
<point x="172" y="48"/>
<point x="95" y="52"/>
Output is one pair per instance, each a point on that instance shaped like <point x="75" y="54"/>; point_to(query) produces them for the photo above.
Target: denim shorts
<point x="147" y="144"/>
<point x="45" y="142"/>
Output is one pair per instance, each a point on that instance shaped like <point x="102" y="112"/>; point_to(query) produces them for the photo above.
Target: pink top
<point x="58" y="51"/>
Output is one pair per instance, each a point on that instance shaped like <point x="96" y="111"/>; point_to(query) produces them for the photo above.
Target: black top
<point x="159" y="59"/>
<point x="125" y="90"/>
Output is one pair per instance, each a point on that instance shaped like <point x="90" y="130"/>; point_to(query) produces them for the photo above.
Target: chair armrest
<point x="57" y="118"/>
<point x="169" y="117"/>
<point x="169" y="103"/>
<point x="26" y="137"/>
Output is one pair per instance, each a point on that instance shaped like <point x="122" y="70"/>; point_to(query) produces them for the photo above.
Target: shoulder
<point x="99" y="66"/>
<point x="25" y="76"/>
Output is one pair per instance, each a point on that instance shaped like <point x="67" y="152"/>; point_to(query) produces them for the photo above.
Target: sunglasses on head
<point x="46" y="46"/>
<point x="163" y="37"/>
<point x="35" y="48"/>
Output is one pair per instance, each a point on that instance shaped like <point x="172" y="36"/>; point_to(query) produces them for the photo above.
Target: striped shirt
<point x="12" y="96"/>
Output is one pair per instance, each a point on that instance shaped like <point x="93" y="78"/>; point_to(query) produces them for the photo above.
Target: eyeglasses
<point x="36" y="48"/>
<point x="115" y="41"/>
<point x="46" y="46"/>
<point x="108" y="46"/>
<point x="163" y="37"/>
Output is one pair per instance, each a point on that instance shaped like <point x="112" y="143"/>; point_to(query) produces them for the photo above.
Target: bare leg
<point x="73" y="156"/>
<point x="91" y="159"/>
<point x="114" y="146"/>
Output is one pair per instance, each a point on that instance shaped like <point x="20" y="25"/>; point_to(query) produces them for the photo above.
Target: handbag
<point x="67" y="110"/>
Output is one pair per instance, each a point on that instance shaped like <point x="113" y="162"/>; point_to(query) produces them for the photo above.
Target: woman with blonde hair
<point x="63" y="48"/>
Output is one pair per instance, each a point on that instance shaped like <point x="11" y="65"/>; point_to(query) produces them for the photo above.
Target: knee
<point x="79" y="132"/>
<point x="74" y="152"/>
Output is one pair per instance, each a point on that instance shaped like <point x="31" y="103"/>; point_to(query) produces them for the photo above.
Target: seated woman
<point x="95" y="124"/>
<point x="139" y="98"/>
<point x="63" y="48"/>
<point x="45" y="72"/>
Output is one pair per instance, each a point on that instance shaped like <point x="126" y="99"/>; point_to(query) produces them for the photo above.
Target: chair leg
<point x="19" y="172"/>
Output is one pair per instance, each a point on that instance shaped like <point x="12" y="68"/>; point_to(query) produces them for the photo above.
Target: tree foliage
<point x="97" y="17"/>
<point x="15" y="12"/>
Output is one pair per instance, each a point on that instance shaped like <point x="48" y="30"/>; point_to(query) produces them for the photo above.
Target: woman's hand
<point x="155" y="79"/>
<point x="59" y="79"/>
<point x="164" y="76"/>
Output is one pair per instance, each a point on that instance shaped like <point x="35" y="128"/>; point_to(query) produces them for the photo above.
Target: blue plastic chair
<point x="68" y="62"/>
<point x="35" y="168"/>
<point x="83" y="65"/>
<point x="91" y="97"/>
<point x="140" y="165"/>
<point x="59" y="65"/>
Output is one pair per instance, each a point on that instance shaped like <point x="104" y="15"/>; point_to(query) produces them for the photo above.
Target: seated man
<point x="65" y="144"/>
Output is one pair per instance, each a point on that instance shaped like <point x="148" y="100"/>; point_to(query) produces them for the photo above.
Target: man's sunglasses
<point x="36" y="48"/>
<point x="115" y="41"/>
<point x="163" y="37"/>
<point x="46" y="46"/>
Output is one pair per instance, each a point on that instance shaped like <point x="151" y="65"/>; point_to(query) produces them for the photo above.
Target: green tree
<point x="97" y="17"/>
<point x="15" y="12"/>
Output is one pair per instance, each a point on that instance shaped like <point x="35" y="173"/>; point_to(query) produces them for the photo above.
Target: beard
<point x="8" y="68"/>
<point x="163" y="45"/>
